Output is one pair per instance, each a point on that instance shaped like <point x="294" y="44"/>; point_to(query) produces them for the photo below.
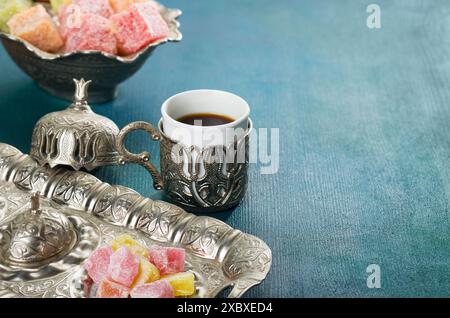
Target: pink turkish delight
<point x="99" y="7"/>
<point x="93" y="34"/>
<point x="138" y="26"/>
<point x="122" y="5"/>
<point x="169" y="260"/>
<point x="157" y="289"/>
<point x="98" y="263"/>
<point x="109" y="289"/>
<point x="70" y="16"/>
<point x="123" y="267"/>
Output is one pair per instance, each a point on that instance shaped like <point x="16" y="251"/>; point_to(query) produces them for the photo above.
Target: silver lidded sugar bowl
<point x="36" y="237"/>
<point x="75" y="137"/>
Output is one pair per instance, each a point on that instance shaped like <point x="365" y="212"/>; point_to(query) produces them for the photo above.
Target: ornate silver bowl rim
<point x="169" y="15"/>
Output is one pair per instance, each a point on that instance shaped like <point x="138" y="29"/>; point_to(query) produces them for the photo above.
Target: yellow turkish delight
<point x="132" y="244"/>
<point x="182" y="283"/>
<point x="147" y="273"/>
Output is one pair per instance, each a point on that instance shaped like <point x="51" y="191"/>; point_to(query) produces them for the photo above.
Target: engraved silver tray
<point x="219" y="255"/>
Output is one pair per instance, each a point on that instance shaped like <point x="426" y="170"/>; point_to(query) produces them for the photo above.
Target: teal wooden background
<point x="364" y="124"/>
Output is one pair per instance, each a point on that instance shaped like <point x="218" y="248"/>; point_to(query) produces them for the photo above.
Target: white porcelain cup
<point x="205" y="101"/>
<point x="202" y="168"/>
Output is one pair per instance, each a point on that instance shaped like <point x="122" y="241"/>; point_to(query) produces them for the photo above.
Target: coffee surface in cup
<point x="205" y="119"/>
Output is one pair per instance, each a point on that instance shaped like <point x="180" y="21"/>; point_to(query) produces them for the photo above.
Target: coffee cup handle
<point x="142" y="158"/>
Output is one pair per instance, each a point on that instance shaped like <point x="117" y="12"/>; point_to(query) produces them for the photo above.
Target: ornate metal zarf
<point x="75" y="137"/>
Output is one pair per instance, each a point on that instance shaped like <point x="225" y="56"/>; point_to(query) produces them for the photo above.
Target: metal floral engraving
<point x="159" y="220"/>
<point x="207" y="179"/>
<point x="36" y="237"/>
<point x="75" y="137"/>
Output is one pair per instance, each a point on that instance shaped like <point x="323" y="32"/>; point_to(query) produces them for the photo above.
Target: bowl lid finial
<point x="35" y="203"/>
<point x="81" y="91"/>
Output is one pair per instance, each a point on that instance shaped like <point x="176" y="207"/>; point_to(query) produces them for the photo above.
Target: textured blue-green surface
<point x="365" y="141"/>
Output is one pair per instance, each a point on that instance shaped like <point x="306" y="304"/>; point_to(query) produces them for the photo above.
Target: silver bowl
<point x="54" y="72"/>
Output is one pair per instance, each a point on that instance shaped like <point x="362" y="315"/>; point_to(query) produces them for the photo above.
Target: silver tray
<point x="219" y="255"/>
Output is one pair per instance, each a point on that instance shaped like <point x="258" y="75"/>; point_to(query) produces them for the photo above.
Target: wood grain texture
<point x="365" y="143"/>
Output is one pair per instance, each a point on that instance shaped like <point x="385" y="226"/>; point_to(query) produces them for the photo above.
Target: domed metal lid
<point x="75" y="137"/>
<point x="36" y="237"/>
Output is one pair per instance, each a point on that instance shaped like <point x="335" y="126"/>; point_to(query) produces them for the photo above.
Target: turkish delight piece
<point x="183" y="284"/>
<point x="97" y="264"/>
<point x="110" y="289"/>
<point x="58" y="4"/>
<point x="123" y="5"/>
<point x="128" y="241"/>
<point x="69" y="17"/>
<point x="138" y="26"/>
<point x="139" y="250"/>
<point x="8" y="8"/>
<point x="87" y="286"/>
<point x="120" y="5"/>
<point x="169" y="260"/>
<point x="99" y="7"/>
<point x="123" y="267"/>
<point x="71" y="14"/>
<point x="93" y="34"/>
<point x="147" y="273"/>
<point x="157" y="289"/>
<point x="35" y="26"/>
